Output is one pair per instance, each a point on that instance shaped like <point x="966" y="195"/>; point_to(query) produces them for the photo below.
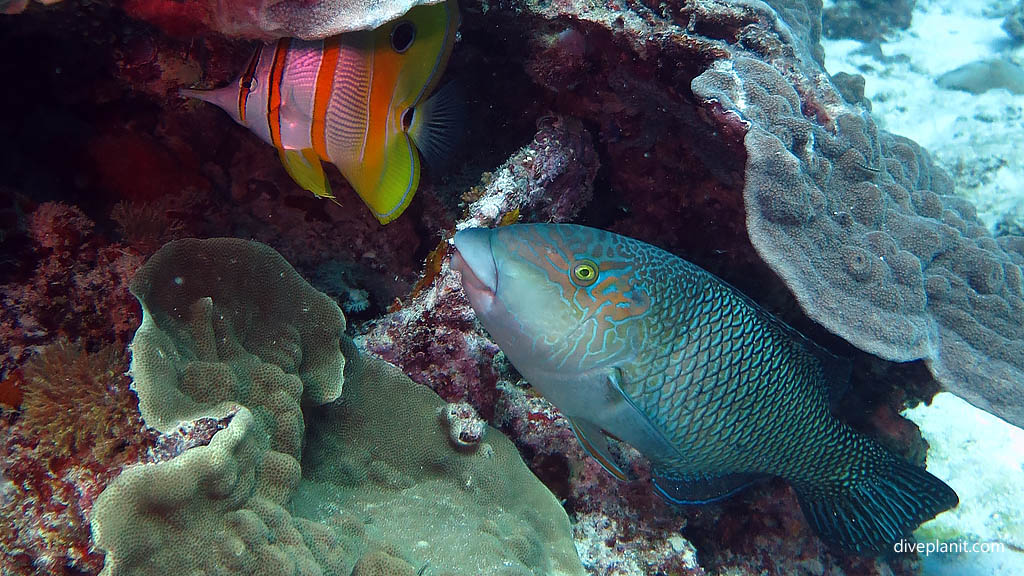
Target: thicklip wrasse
<point x="634" y="344"/>
<point x="361" y="101"/>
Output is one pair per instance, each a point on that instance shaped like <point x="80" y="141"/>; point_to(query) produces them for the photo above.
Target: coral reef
<point x="863" y="228"/>
<point x="269" y="20"/>
<point x="615" y="116"/>
<point x="78" y="288"/>
<point x="231" y="332"/>
<point x="78" y="425"/>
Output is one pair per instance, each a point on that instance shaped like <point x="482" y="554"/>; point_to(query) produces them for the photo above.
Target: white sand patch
<point x="982" y="458"/>
<point x="979" y="139"/>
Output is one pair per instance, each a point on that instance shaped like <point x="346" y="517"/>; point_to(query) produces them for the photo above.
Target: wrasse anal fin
<point x="702" y="491"/>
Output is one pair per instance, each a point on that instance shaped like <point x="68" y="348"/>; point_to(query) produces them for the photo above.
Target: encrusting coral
<point x="230" y="331"/>
<point x="272" y="19"/>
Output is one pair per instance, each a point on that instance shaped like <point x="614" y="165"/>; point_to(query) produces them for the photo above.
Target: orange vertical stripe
<point x="274" y="93"/>
<point x="245" y="83"/>
<point x="322" y="96"/>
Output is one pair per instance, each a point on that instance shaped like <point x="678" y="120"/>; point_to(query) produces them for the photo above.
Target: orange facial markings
<point x="322" y="96"/>
<point x="611" y="299"/>
<point x="274" y="91"/>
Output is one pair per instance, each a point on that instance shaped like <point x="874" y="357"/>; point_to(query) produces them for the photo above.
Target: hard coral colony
<point x="629" y="397"/>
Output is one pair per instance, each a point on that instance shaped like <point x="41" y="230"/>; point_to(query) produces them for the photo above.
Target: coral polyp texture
<point x="231" y="332"/>
<point x="228" y="321"/>
<point x="271" y="19"/>
<point x="865" y="230"/>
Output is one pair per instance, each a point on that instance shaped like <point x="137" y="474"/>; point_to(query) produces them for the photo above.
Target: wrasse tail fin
<point x="867" y="515"/>
<point x="305" y="168"/>
<point x="438" y="124"/>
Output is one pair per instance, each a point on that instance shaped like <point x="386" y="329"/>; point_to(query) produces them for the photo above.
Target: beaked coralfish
<point x="361" y="100"/>
<point x="635" y="344"/>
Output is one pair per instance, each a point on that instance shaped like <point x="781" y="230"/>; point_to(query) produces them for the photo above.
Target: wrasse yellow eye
<point x="584" y="273"/>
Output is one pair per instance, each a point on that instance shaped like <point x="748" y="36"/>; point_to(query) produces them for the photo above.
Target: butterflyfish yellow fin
<point x="398" y="181"/>
<point x="305" y="168"/>
<point x="437" y="125"/>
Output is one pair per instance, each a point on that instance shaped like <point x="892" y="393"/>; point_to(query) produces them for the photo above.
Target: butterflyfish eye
<point x="248" y="84"/>
<point x="584" y="273"/>
<point x="407" y="117"/>
<point x="402" y="36"/>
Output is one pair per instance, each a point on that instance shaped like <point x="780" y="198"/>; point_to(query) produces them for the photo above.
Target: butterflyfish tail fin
<point x="305" y="168"/>
<point x="876" y="507"/>
<point x="437" y="125"/>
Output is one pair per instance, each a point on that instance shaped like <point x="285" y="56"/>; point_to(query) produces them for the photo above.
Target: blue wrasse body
<point x="634" y="344"/>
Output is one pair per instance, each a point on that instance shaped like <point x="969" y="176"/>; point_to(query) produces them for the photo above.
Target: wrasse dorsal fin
<point x="438" y="125"/>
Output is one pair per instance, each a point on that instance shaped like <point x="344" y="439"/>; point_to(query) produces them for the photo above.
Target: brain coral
<point x="863" y="227"/>
<point x="231" y="331"/>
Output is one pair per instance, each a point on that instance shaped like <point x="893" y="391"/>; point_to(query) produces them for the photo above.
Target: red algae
<point x="78" y="426"/>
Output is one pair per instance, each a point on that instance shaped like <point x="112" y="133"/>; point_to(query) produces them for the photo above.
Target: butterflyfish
<point x="636" y="345"/>
<point x="364" y="101"/>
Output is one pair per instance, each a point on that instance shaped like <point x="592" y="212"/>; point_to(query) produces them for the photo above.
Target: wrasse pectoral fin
<point x="438" y="125"/>
<point x="595" y="443"/>
<point x="305" y="168"/>
<point x="699" y="491"/>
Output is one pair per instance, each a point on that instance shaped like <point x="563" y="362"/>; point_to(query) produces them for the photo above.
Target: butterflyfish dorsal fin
<point x="305" y="168"/>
